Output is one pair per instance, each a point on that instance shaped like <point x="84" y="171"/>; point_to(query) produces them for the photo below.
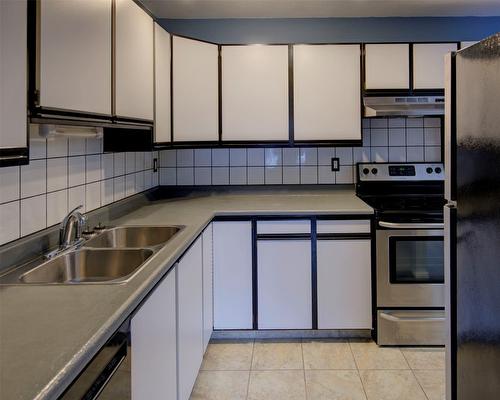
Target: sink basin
<point x="88" y="266"/>
<point x="133" y="236"/>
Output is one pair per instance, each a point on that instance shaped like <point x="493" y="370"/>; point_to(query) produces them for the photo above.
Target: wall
<point x="62" y="174"/>
<point x="384" y="139"/>
<point x="335" y="30"/>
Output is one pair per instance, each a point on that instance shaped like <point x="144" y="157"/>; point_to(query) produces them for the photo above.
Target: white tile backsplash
<point x="185" y="158"/>
<point x="308" y="156"/>
<point x="57" y="147"/>
<point x="308" y="175"/>
<point x="202" y="158"/>
<point x="9" y="184"/>
<point x="238" y="157"/>
<point x="291" y="175"/>
<point x="57" y="174"/>
<point x="33" y="214"/>
<point x="185" y="176"/>
<point x="64" y="173"/>
<point x="93" y="168"/>
<point x="57" y="206"/>
<point x="203" y="176"/>
<point x="273" y="175"/>
<point x="273" y="157"/>
<point x="9" y="221"/>
<point x="34" y="178"/>
<point x="76" y="171"/>
<point x="384" y="139"/>
<point x="237" y="175"/>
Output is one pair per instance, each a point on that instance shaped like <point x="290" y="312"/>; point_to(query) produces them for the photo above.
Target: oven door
<point x="410" y="265"/>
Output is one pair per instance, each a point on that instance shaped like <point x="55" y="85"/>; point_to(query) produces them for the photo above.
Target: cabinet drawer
<point x="284" y="227"/>
<point x="344" y="226"/>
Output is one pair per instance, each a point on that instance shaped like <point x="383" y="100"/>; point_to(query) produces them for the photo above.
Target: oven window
<point x="416" y="259"/>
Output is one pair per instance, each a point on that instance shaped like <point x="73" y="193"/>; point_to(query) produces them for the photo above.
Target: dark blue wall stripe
<point x="336" y="30"/>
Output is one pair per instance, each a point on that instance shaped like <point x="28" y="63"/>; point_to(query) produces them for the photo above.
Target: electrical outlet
<point x="335" y="164"/>
<point x="155" y="165"/>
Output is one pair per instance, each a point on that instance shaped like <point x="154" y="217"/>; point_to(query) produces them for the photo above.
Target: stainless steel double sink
<point x="113" y="256"/>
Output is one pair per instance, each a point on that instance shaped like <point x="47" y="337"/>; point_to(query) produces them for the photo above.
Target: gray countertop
<point x="49" y="333"/>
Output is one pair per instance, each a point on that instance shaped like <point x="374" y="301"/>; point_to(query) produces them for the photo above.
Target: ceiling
<point x="319" y="8"/>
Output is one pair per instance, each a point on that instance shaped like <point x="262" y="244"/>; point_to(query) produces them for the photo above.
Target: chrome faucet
<point x="71" y="225"/>
<point x="70" y="231"/>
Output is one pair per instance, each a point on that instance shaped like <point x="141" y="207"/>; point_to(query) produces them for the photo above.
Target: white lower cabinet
<point x="189" y="318"/>
<point x="208" y="321"/>
<point x="344" y="284"/>
<point x="232" y="241"/>
<point x="153" y="335"/>
<point x="284" y="284"/>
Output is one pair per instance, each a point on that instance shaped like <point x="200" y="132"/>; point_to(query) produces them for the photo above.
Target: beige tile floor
<point x="319" y="370"/>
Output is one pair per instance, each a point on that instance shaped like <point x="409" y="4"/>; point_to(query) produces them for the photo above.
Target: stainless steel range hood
<point x="375" y="106"/>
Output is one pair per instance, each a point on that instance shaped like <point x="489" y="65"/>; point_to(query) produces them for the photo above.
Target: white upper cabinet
<point x="255" y="93"/>
<point x="195" y="90"/>
<point x="428" y="64"/>
<point x="162" y="85"/>
<point x="75" y="55"/>
<point x="327" y="92"/>
<point x="13" y="31"/>
<point x="387" y="66"/>
<point x="134" y="58"/>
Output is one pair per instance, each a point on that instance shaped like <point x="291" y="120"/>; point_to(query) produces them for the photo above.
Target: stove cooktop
<point x="403" y="191"/>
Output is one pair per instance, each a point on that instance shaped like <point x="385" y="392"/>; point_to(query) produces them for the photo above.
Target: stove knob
<point x="437" y="170"/>
<point x="374" y="171"/>
<point x="366" y="171"/>
<point x="429" y="170"/>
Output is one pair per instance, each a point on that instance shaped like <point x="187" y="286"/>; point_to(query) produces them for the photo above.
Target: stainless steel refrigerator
<point x="472" y="221"/>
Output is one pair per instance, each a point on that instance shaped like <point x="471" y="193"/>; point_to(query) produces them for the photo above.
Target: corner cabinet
<point x="134" y="59"/>
<point x="74" y="56"/>
<point x="195" y="79"/>
<point x="255" y="93"/>
<point x="232" y="241"/>
<point x="428" y="64"/>
<point x="162" y="84"/>
<point x="387" y="66"/>
<point x="327" y="92"/>
<point x="154" y="345"/>
<point x="13" y="89"/>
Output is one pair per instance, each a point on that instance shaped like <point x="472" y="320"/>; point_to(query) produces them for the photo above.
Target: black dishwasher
<point x="107" y="376"/>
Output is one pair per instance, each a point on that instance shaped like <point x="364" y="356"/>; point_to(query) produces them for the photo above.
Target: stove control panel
<point x="400" y="172"/>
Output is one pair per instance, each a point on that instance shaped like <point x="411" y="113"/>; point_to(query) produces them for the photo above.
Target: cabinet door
<point x="344" y="284"/>
<point x="284" y="284"/>
<point x="134" y="58"/>
<point x="13" y="31"/>
<point x="195" y="90"/>
<point x="154" y="347"/>
<point x="232" y="243"/>
<point x="162" y="85"/>
<point x="387" y="66"/>
<point x="208" y="321"/>
<point x="75" y="55"/>
<point x="189" y="318"/>
<point x="327" y="92"/>
<point x="428" y="64"/>
<point x="255" y="93"/>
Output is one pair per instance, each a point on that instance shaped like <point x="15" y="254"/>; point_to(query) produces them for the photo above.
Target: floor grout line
<point x="414" y="376"/>
<point x="303" y="366"/>
<point x="357" y="369"/>
<point x="250" y="371"/>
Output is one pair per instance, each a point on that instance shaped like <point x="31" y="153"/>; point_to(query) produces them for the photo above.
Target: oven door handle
<point x="396" y="225"/>
<point x="396" y="318"/>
